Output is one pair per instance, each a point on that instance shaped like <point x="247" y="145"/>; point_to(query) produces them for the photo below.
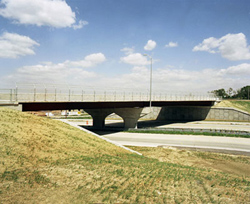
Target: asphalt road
<point x="232" y="144"/>
<point x="210" y="143"/>
<point x="215" y="125"/>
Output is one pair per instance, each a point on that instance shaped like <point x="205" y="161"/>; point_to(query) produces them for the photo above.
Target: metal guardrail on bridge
<point x="76" y="94"/>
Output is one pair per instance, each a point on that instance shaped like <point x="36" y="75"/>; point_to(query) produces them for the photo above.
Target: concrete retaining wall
<point x="147" y="114"/>
<point x="202" y="113"/>
<point x="150" y="113"/>
<point x="12" y="106"/>
<point x="231" y="114"/>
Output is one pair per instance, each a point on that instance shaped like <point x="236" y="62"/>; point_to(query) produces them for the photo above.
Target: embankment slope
<point x="243" y="105"/>
<point x="47" y="161"/>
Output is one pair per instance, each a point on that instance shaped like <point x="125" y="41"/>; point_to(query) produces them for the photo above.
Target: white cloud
<point x="201" y="81"/>
<point x="65" y="72"/>
<point x="150" y="45"/>
<point x="13" y="45"/>
<point x="230" y="46"/>
<point x="136" y="59"/>
<point x="95" y="58"/>
<point x="239" y="70"/>
<point x="173" y="81"/>
<point x="165" y="80"/>
<point x="80" y="25"/>
<point x="53" y="13"/>
<point x="128" y="50"/>
<point x="168" y="79"/>
<point x="172" y="44"/>
<point x="208" y="45"/>
<point x="89" y="61"/>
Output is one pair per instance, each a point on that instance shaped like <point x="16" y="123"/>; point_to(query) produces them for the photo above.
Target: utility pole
<point x="150" y="88"/>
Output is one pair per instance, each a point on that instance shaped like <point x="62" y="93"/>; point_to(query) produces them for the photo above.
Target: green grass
<point x="243" y="105"/>
<point x="154" y="131"/>
<point x="47" y="161"/>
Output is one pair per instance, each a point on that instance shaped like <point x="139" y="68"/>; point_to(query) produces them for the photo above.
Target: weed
<point x="10" y="175"/>
<point x="114" y="188"/>
<point x="119" y="172"/>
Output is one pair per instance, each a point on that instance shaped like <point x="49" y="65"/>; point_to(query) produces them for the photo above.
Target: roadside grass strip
<point x="221" y="133"/>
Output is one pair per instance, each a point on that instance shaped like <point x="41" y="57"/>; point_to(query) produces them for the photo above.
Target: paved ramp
<point x="190" y="141"/>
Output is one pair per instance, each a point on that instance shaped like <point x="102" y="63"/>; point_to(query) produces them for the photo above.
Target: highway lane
<point x="235" y="126"/>
<point x="190" y="141"/>
<point x="240" y="145"/>
<point x="199" y="125"/>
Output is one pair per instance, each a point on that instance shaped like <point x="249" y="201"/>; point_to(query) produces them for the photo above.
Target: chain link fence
<point x="43" y="93"/>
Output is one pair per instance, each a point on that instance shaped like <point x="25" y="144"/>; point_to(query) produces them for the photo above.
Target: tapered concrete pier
<point x="130" y="116"/>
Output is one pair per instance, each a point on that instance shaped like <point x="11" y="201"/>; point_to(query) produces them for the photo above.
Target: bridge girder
<point x="39" y="106"/>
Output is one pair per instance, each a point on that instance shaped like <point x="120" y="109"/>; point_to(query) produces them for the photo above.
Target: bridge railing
<point x="7" y="95"/>
<point x="53" y="93"/>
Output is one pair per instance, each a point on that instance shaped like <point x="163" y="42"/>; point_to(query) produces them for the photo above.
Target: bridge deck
<point x="38" y="106"/>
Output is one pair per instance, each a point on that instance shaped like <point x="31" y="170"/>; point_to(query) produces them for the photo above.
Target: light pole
<point x="150" y="89"/>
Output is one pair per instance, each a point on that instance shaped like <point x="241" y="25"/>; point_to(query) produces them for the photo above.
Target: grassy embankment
<point x="47" y="161"/>
<point x="243" y="105"/>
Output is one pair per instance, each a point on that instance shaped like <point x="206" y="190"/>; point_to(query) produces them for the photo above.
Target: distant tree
<point x="230" y="92"/>
<point x="221" y="93"/>
<point x="243" y="93"/>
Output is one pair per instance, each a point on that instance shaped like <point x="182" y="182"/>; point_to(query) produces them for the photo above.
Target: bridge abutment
<point x="191" y="113"/>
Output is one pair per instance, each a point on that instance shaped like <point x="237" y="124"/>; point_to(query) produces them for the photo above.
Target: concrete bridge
<point x="130" y="111"/>
<point x="99" y="104"/>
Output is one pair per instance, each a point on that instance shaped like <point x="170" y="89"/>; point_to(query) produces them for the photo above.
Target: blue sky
<point x="195" y="45"/>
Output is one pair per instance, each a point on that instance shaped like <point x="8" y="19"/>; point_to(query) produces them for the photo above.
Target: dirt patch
<point x="233" y="164"/>
<point x="232" y="167"/>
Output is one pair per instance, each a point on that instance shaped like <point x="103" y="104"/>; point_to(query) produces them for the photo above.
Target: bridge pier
<point x="99" y="116"/>
<point x="130" y="116"/>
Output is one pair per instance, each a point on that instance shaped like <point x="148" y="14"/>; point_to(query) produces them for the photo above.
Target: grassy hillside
<point x="47" y="161"/>
<point x="239" y="104"/>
